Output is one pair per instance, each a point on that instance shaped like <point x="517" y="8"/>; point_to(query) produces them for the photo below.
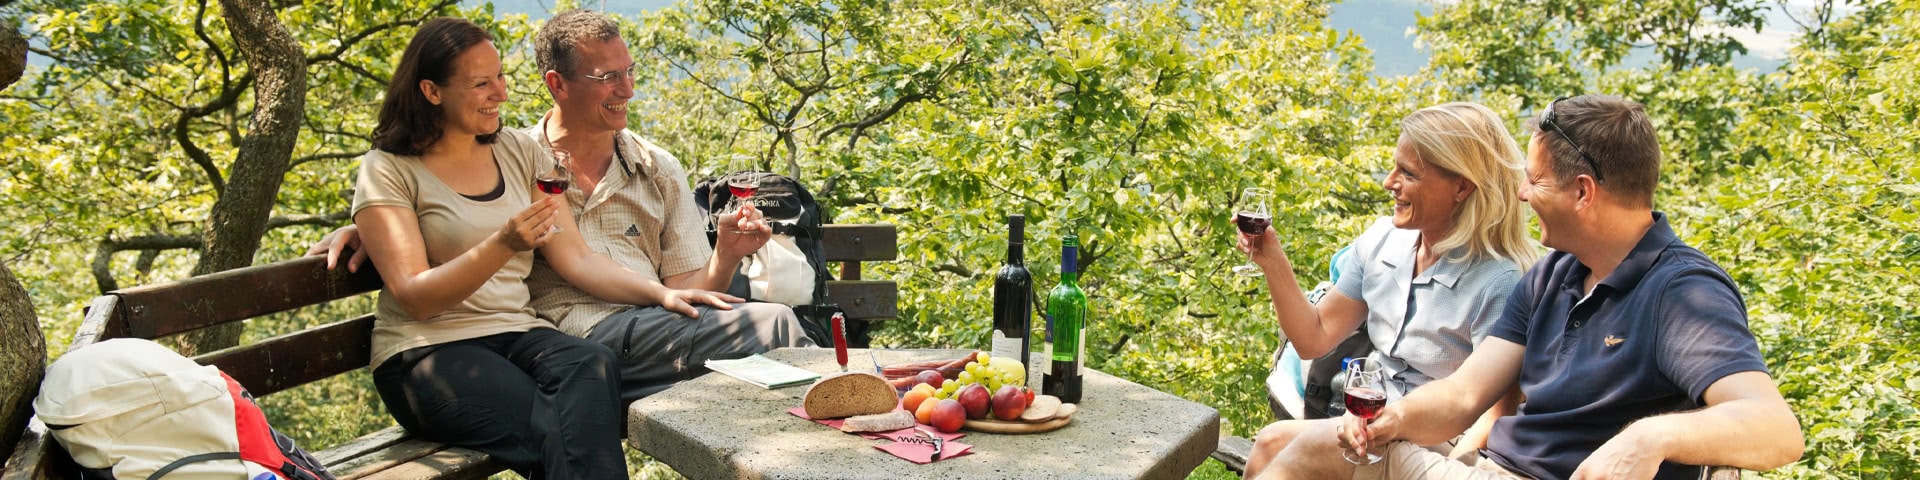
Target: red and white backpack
<point x="133" y="409"/>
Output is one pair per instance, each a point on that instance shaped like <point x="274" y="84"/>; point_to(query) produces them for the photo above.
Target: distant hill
<point x="1386" y="27"/>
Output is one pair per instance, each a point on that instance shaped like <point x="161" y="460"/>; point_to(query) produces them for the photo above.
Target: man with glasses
<point x="633" y="204"/>
<point x="1631" y="348"/>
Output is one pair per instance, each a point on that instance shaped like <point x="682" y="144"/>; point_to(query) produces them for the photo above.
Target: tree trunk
<point x="13" y="54"/>
<point x="23" y="358"/>
<point x="239" y="217"/>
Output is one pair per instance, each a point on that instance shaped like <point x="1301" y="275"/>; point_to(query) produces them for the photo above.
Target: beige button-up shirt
<point x="641" y="215"/>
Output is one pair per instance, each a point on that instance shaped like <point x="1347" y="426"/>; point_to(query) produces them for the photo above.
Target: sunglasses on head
<point x="1547" y="124"/>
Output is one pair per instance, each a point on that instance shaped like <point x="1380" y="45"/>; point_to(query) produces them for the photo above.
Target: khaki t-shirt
<point x="451" y="224"/>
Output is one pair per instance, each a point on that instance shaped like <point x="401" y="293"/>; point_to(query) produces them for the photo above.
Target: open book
<point x="763" y="371"/>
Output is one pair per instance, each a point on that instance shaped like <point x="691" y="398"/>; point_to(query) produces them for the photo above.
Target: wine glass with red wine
<point x="743" y="184"/>
<point x="1253" y="218"/>
<point x="555" y="180"/>
<point x="1366" y="394"/>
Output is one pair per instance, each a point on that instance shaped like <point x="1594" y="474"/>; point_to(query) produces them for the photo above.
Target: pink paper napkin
<point x="907" y="443"/>
<point x="923" y="453"/>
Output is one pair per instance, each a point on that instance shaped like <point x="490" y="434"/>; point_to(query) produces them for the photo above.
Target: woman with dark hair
<point x="446" y="209"/>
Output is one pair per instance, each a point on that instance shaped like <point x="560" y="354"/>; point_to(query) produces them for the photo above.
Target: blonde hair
<point x="1470" y="141"/>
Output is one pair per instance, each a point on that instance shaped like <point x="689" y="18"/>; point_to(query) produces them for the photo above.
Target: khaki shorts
<point x="1408" y="461"/>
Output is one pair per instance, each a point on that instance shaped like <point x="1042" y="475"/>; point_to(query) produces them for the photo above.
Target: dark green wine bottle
<point x="1067" y="307"/>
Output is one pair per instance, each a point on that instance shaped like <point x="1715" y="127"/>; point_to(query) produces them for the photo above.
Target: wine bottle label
<point x="1008" y="347"/>
<point x="1083" y="350"/>
<point x="1037" y="369"/>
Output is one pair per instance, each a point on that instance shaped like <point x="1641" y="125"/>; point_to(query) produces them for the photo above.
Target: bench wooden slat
<point x="331" y="349"/>
<point x="103" y="320"/>
<point x="339" y="454"/>
<point x="1232" y="452"/>
<point x="392" y="454"/>
<point x="405" y="450"/>
<point x="859" y="242"/>
<point x="31" y="459"/>
<point x="156" y="311"/>
<point x="865" y="299"/>
<point x="453" y="463"/>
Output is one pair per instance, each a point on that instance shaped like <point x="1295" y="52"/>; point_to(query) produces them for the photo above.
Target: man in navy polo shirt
<point x="1631" y="348"/>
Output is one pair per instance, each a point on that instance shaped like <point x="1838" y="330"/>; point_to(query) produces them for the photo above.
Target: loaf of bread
<point x="879" y="422"/>
<point x="848" y="394"/>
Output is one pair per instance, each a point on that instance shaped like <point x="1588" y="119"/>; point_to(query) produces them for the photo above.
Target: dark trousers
<point x="657" y="347"/>
<point x="542" y="402"/>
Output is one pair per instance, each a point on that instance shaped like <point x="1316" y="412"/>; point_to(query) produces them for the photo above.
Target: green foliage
<point x="1134" y="124"/>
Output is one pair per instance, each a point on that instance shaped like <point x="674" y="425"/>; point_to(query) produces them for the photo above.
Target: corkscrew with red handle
<point x="840" y="340"/>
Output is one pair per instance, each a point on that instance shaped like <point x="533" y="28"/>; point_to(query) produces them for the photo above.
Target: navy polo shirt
<point x="1649" y="340"/>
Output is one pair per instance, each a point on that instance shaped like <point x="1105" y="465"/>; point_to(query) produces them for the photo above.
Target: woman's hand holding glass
<point x="532" y="227"/>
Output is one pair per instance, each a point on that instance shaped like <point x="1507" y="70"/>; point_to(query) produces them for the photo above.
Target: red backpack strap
<point x="256" y="437"/>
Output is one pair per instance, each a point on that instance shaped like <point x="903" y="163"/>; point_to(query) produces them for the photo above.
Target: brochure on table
<point x="763" y="371"/>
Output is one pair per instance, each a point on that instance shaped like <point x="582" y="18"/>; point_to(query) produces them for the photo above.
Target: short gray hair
<point x="554" y="45"/>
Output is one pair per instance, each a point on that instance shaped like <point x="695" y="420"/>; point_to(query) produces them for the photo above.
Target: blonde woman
<point x="1428" y="282"/>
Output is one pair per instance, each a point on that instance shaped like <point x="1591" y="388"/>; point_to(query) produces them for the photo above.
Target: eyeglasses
<point x="1547" y="124"/>
<point x="613" y="77"/>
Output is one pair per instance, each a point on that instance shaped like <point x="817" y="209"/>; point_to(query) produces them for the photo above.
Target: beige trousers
<point x="1408" y="461"/>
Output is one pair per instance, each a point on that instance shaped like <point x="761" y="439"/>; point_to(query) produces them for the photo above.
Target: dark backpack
<point x="796" y="220"/>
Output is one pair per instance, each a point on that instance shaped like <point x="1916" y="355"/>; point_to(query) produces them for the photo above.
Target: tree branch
<point x="196" y="154"/>
<point x="758" y="110"/>
<point x="875" y="118"/>
<point x="200" y="30"/>
<point x="102" y="264"/>
<point x="320" y="220"/>
<point x="322" y="157"/>
<point x="103" y="253"/>
<point x="347" y="44"/>
<point x="953" y="269"/>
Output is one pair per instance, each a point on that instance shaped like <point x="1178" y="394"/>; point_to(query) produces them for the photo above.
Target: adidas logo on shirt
<point x="633" y="230"/>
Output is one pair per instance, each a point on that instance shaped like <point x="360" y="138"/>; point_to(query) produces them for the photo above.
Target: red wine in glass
<point x="742" y="189"/>
<point x="552" y="185"/>
<point x="1365" y="402"/>
<point x="1252" y="223"/>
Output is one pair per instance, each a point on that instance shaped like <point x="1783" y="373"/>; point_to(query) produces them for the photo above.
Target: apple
<point x="948" y="415"/>
<point x="930" y="377"/>
<point x="1010" y="402"/>
<point x="974" y="398"/>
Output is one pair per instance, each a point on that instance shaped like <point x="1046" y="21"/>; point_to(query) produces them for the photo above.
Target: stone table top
<point x="717" y="427"/>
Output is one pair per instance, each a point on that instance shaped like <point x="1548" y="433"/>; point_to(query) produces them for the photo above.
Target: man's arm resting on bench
<point x="1746" y="424"/>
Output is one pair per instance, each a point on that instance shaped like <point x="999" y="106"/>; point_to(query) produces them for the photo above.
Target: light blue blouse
<point x="1423" y="326"/>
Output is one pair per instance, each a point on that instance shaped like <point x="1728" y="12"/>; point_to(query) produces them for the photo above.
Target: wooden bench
<point x="280" y="363"/>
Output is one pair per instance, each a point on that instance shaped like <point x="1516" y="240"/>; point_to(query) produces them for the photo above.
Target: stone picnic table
<point x="717" y="427"/>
